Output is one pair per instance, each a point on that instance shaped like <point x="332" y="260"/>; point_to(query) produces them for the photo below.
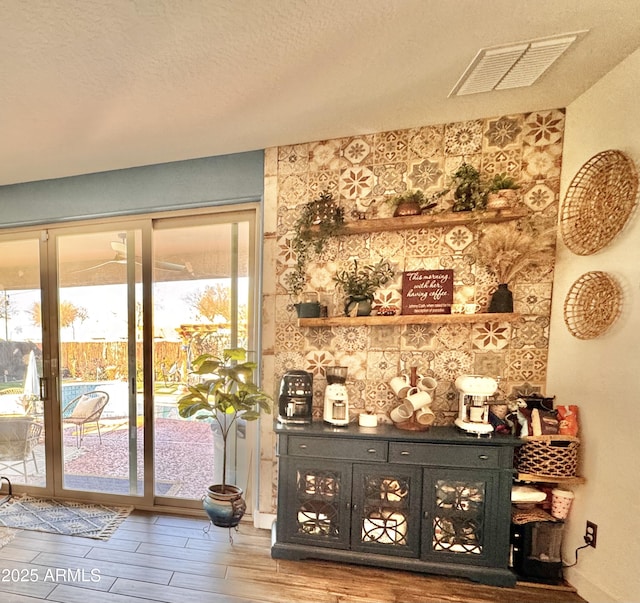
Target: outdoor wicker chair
<point x="84" y="409"/>
<point x="19" y="437"/>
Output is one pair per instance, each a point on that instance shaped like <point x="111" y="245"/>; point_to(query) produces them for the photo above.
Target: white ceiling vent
<point x="513" y="66"/>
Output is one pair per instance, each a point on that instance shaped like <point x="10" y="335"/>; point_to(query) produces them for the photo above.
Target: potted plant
<point x="413" y="203"/>
<point x="508" y="249"/>
<point x="469" y="192"/>
<point x="360" y="283"/>
<point x="319" y="219"/>
<point x="502" y="191"/>
<point x="226" y="394"/>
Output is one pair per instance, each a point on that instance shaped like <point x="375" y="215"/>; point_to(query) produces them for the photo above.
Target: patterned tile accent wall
<point x="361" y="171"/>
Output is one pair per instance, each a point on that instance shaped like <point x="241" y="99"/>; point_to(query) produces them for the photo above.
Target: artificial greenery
<point x="502" y="182"/>
<point x="426" y="203"/>
<point x="363" y="281"/>
<point x="469" y="192"/>
<point x="319" y="219"/>
<point x="227" y="393"/>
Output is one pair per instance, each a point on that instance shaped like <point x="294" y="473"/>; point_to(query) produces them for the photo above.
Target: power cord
<point x="584" y="546"/>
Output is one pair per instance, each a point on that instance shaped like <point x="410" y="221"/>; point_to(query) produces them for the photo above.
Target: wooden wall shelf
<point x="376" y="321"/>
<point x="431" y="220"/>
<point x="530" y="477"/>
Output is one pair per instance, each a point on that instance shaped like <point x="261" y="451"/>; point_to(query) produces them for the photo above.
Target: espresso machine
<point x="296" y="398"/>
<point x="473" y="403"/>
<point x="336" y="399"/>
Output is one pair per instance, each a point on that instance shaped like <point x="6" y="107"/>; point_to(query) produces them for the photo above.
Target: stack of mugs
<point x="415" y="400"/>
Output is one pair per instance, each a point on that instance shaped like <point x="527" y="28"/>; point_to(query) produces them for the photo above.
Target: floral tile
<point x="357" y="150"/>
<point x="530" y="332"/>
<point x="518" y="390"/>
<point x="503" y="162"/>
<point x="293" y="190"/>
<point x="463" y="138"/>
<point x="449" y="364"/>
<point x="383" y="365"/>
<point x="532" y="298"/>
<point x="538" y="195"/>
<point x="491" y="335"/>
<point x="418" y="337"/>
<point x="356" y="390"/>
<point x="289" y="361"/>
<point x="390" y="146"/>
<point x="387" y="299"/>
<point x="319" y="338"/>
<point x="387" y="245"/>
<point x="527" y="365"/>
<point x="421" y="359"/>
<point x="288" y="337"/>
<point x="462" y="265"/>
<point x="384" y="337"/>
<point x="426" y="142"/>
<point x="378" y="396"/>
<point x="544" y="127"/>
<point x="320" y="275"/>
<point x="325" y="155"/>
<point x="317" y="361"/>
<point x="356" y="182"/>
<point x="541" y="163"/>
<point x="356" y="363"/>
<point x="492" y="364"/>
<point x="324" y="180"/>
<point x="293" y="159"/>
<point x="424" y="242"/>
<point x="390" y="178"/>
<point x="351" y="339"/>
<point x="504" y="132"/>
<point x="454" y="336"/>
<point x="352" y="246"/>
<point x="458" y="238"/>
<point x="425" y="174"/>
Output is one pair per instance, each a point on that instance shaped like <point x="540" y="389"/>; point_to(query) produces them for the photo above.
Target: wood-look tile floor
<point x="170" y="559"/>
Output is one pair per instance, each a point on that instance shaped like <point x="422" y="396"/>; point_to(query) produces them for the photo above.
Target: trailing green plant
<point x="227" y="393"/>
<point x="469" y="192"/>
<point x="501" y="182"/>
<point x="363" y="281"/>
<point x="319" y="220"/>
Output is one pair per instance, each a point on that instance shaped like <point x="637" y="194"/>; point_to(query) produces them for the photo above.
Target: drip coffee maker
<point x="473" y="403"/>
<point x="336" y="400"/>
<point x="296" y="397"/>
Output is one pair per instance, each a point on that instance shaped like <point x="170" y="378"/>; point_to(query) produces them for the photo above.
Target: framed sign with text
<point x="427" y="291"/>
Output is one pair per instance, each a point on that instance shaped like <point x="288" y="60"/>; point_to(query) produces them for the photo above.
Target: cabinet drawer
<point x="338" y="448"/>
<point x="445" y="455"/>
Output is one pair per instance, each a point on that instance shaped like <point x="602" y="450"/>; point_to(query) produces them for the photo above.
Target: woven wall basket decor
<point x="599" y="201"/>
<point x="592" y="305"/>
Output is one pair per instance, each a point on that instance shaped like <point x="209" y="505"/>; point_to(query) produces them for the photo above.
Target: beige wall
<point x="602" y="375"/>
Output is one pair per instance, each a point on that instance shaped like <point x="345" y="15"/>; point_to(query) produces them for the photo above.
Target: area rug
<point x="7" y="535"/>
<point x="62" y="517"/>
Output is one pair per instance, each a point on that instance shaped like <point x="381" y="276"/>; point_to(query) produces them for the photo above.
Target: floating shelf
<point x="422" y="319"/>
<point x="431" y="220"/>
<point x="530" y="477"/>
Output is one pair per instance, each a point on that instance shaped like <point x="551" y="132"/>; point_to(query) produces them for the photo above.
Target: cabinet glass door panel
<point x="386" y="512"/>
<point x="320" y="498"/>
<point x="458" y="506"/>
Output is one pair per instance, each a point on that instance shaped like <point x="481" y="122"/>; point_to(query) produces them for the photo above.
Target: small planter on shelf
<point x="360" y="283"/>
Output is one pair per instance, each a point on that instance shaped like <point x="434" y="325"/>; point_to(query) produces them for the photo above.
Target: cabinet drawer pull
<point x="372" y="451"/>
<point x="303" y="446"/>
<point x="483" y="457"/>
<point x="405" y="453"/>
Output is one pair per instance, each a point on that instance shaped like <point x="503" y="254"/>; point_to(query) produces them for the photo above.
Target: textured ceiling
<point x="88" y="85"/>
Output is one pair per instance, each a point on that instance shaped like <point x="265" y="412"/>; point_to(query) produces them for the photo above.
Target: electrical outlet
<point x="591" y="534"/>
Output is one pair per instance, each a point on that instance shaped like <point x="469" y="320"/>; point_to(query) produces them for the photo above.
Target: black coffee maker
<point x="296" y="397"/>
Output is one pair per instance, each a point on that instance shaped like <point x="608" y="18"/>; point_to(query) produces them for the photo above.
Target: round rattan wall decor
<point x="592" y="305"/>
<point x="599" y="201"/>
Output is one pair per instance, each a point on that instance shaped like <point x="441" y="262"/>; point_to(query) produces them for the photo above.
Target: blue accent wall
<point x="166" y="186"/>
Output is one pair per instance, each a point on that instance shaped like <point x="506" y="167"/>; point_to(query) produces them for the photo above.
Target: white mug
<point x="425" y="416"/>
<point x="471" y="308"/>
<point x="400" y="414"/>
<point x="416" y="399"/>
<point x="400" y="385"/>
<point x="427" y="384"/>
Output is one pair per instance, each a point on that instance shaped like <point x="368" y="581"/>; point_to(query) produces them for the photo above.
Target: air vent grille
<point x="513" y="66"/>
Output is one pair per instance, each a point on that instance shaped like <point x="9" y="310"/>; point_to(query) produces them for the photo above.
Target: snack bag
<point x="568" y="420"/>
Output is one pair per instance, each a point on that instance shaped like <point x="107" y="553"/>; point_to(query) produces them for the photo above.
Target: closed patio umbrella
<point x="32" y="380"/>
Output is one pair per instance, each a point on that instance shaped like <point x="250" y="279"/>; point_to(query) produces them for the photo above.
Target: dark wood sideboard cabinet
<point x="434" y="502"/>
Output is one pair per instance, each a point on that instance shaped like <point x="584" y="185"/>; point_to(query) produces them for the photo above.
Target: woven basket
<point x="549" y="456"/>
